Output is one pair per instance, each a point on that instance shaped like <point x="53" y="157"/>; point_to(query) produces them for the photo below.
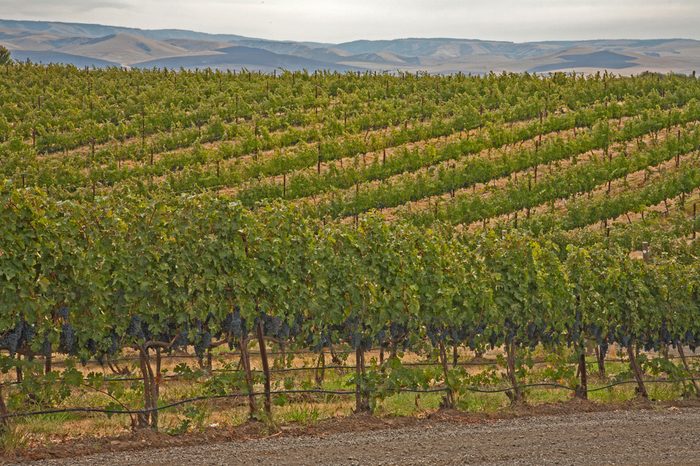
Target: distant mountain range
<point x="103" y="46"/>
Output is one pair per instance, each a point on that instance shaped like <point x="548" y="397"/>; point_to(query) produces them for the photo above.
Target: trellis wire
<point x="483" y="362"/>
<point x="320" y="392"/>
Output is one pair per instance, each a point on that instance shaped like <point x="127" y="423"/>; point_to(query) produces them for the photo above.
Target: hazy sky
<point x="343" y="20"/>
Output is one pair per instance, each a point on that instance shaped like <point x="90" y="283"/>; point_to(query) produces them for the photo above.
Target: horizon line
<point x="343" y="42"/>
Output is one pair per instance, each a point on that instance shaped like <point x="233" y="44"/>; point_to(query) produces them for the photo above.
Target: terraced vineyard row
<point x="154" y="213"/>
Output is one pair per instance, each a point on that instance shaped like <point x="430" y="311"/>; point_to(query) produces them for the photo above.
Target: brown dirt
<point x="484" y="189"/>
<point x="548" y="169"/>
<point x="213" y="145"/>
<point x="577" y="428"/>
<point x="488" y="154"/>
<point x="618" y="186"/>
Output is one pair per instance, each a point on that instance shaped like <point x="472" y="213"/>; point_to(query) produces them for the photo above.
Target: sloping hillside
<point x="100" y="45"/>
<point x="58" y="57"/>
<point x="124" y="49"/>
<point x="238" y="57"/>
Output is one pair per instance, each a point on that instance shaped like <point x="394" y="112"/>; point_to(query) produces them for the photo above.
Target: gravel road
<point x="662" y="436"/>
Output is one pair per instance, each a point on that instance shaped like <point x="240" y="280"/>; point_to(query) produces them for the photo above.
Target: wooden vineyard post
<point x="159" y="361"/>
<point x="207" y="363"/>
<point x="517" y="395"/>
<point x="245" y="362"/>
<point x="641" y="388"/>
<point x="3" y="412"/>
<point x="361" y="401"/>
<point x="358" y="379"/>
<point x="265" y="366"/>
<point x="143" y="129"/>
<point x="47" y="364"/>
<point x="449" y="396"/>
<point x="681" y="353"/>
<point x="320" y="372"/>
<point x="582" y="391"/>
<point x="580" y="348"/>
<point x="318" y="166"/>
<point x="600" y="359"/>
<point x="154" y="383"/>
<point x="149" y="418"/>
<point x="18" y="371"/>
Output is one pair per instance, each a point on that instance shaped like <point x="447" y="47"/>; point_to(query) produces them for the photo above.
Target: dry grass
<point x="290" y="410"/>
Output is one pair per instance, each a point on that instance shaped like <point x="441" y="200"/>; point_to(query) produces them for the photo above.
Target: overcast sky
<point x="344" y="20"/>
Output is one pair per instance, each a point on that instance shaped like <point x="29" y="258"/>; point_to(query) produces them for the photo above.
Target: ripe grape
<point x="380" y="337"/>
<point x="11" y="342"/>
<point x="113" y="343"/>
<point x="272" y="325"/>
<point x="28" y="333"/>
<point x="68" y="339"/>
<point x="135" y="329"/>
<point x="284" y="331"/>
<point x="46" y="348"/>
<point x="182" y="339"/>
<point x="356" y="340"/>
<point x="202" y="344"/>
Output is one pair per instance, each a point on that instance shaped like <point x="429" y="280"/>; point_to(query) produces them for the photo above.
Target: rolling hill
<point x="100" y="46"/>
<point x="239" y="56"/>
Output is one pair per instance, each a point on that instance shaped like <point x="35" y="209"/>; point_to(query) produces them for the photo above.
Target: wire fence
<point x="208" y="373"/>
<point x="196" y="399"/>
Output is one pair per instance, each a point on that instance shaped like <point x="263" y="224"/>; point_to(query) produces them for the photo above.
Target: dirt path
<point x="659" y="436"/>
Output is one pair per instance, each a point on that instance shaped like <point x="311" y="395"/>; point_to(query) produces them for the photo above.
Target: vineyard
<point x="174" y="240"/>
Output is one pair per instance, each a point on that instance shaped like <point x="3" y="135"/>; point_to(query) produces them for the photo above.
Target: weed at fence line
<point x="12" y="439"/>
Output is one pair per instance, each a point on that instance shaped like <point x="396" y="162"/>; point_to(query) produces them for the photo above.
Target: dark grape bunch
<point x="17" y="337"/>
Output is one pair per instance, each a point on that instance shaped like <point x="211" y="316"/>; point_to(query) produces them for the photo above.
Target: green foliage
<point x="119" y="245"/>
<point x="193" y="419"/>
<point x="5" y="57"/>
